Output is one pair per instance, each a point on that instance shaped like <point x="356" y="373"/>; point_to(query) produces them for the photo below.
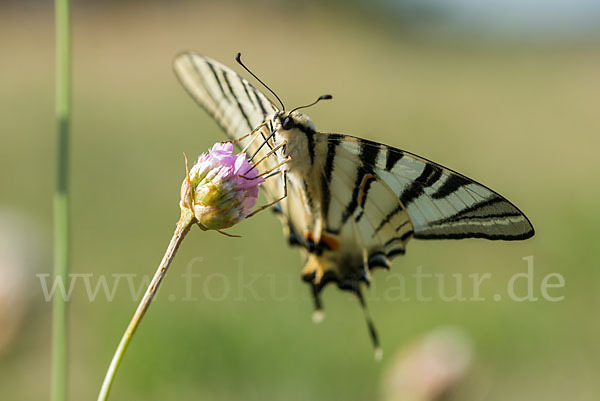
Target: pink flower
<point x="430" y="368"/>
<point x="221" y="188"/>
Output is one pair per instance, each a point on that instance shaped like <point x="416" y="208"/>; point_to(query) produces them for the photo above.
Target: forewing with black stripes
<point x="232" y="101"/>
<point x="239" y="108"/>
<point x="374" y="198"/>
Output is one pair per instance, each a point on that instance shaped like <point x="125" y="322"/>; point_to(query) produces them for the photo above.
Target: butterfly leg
<point x="267" y="173"/>
<point x="254" y="131"/>
<point x="275" y="201"/>
<point x="270" y="153"/>
<point x="265" y="139"/>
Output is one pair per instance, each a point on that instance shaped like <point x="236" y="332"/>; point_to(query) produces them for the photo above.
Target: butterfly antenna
<point x="238" y="58"/>
<point x="322" y="97"/>
<point x="370" y="326"/>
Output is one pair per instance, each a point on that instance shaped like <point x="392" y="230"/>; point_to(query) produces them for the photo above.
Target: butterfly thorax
<point x="304" y="169"/>
<point x="296" y="130"/>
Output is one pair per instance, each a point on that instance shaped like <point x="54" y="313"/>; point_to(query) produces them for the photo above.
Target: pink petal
<point x="226" y="147"/>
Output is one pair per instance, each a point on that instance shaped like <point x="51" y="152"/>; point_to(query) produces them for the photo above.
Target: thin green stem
<point x="61" y="199"/>
<point x="183" y="227"/>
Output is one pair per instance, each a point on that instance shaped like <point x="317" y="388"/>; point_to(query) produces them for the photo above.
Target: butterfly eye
<point x="288" y="123"/>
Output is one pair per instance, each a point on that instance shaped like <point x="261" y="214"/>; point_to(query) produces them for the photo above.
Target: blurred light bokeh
<point x="430" y="368"/>
<point x="456" y="82"/>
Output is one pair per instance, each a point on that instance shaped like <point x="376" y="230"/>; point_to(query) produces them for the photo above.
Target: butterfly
<point x="350" y="204"/>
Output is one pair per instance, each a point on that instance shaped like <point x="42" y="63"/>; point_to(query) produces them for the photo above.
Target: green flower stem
<point x="58" y="391"/>
<point x="183" y="227"/>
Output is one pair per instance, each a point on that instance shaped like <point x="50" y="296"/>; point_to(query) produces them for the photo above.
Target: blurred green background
<point x="517" y="111"/>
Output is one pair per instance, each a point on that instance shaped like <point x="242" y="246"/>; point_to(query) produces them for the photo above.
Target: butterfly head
<point x="293" y="119"/>
<point x="288" y="121"/>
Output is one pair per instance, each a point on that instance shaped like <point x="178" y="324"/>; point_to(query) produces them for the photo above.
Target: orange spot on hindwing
<point x="364" y="187"/>
<point x="330" y="242"/>
<point x="326" y="242"/>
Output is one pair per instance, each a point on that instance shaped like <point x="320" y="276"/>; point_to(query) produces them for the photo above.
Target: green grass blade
<point x="61" y="198"/>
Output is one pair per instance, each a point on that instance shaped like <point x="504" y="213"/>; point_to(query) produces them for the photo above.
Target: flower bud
<point x="221" y="188"/>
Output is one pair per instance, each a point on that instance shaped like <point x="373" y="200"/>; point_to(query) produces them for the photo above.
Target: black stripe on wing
<point x="399" y="207"/>
<point x="218" y="80"/>
<point x="429" y="176"/>
<point x="261" y="103"/>
<point x="237" y="102"/>
<point x="247" y="90"/>
<point x="365" y="172"/>
<point x="310" y="138"/>
<point x="491" y="237"/>
<point x="392" y="157"/>
<point x="450" y="186"/>
<point x="326" y="177"/>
